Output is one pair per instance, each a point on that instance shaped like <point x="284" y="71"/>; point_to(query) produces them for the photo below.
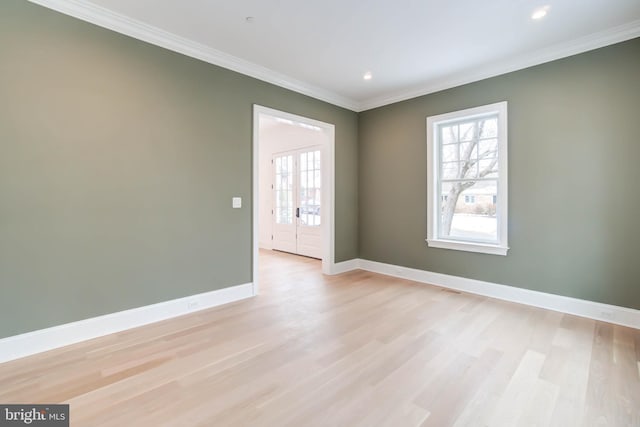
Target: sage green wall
<point x="574" y="176"/>
<point x="118" y="161"/>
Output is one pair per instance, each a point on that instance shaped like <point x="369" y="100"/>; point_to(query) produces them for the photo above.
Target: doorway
<point x="296" y="202"/>
<point x="311" y="211"/>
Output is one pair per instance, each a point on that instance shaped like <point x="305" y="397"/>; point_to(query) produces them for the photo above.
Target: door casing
<point x="328" y="187"/>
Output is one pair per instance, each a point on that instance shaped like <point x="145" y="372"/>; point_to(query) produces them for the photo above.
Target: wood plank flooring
<point x="359" y="349"/>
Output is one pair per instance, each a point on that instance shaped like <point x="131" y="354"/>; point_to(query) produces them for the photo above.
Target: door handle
<point x="297" y="212"/>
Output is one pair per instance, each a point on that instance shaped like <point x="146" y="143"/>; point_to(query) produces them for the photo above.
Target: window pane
<point x="449" y="134"/>
<point x="450" y="170"/>
<point x="468" y="150"/>
<point x="488" y="128"/>
<point x="284" y="189"/>
<point x="463" y="173"/>
<point x="467" y="131"/>
<point x="310" y="186"/>
<point x="468" y="211"/>
<point x="488" y="148"/>
<point x="489" y="168"/>
<point x="310" y="215"/>
<point x="287" y="216"/>
<point x="450" y="153"/>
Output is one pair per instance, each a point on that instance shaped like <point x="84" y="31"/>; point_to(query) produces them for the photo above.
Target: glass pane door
<point x="310" y="186"/>
<point x="284" y="179"/>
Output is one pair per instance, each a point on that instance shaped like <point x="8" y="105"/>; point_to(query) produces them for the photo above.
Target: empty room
<point x="338" y="213"/>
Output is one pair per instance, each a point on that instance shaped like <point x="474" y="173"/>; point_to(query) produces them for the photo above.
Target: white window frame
<point x="433" y="174"/>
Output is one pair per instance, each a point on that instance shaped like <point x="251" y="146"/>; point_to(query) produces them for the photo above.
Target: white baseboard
<point x="345" y="266"/>
<point x="59" y="336"/>
<point x="70" y="333"/>
<point x="589" y="309"/>
<point x="592" y="310"/>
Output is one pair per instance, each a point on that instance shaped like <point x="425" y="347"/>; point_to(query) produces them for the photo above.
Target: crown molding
<point x="122" y="24"/>
<point x="583" y="44"/>
<point x="106" y="18"/>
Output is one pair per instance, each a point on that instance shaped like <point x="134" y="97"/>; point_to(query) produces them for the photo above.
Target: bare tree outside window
<point x="467" y="183"/>
<point x="469" y="154"/>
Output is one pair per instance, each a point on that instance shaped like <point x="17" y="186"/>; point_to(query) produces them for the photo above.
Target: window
<point x="467" y="180"/>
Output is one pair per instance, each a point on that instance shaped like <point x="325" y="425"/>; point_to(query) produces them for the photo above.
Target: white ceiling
<point x="323" y="48"/>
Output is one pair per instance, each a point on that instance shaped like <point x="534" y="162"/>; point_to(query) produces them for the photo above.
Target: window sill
<point x="468" y="247"/>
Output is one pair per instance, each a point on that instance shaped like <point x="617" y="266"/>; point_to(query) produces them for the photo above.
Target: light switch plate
<point x="236" y="202"/>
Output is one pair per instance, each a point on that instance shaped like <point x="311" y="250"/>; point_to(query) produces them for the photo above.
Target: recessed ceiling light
<point x="540" y="13"/>
<point x="367" y="75"/>
<point x="249" y="19"/>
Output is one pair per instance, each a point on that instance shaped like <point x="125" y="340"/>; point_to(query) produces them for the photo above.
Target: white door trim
<point x="328" y="186"/>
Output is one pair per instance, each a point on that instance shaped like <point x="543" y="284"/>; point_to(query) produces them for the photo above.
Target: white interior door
<point x="297" y="204"/>
<point x="309" y="197"/>
<point x="284" y="224"/>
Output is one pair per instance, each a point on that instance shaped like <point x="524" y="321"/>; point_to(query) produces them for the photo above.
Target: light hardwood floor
<point x="359" y="349"/>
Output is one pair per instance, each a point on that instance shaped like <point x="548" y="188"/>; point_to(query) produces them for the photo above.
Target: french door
<point x="297" y="202"/>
